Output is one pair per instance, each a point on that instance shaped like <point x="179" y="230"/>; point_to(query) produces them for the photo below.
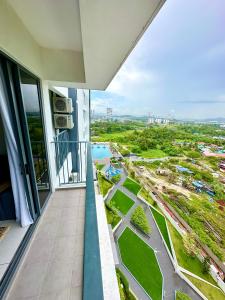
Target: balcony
<point x="63" y="258"/>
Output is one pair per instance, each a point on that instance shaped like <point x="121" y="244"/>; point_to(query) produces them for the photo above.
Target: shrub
<point x="116" y="178"/>
<point x="190" y="244"/>
<point x="140" y="220"/>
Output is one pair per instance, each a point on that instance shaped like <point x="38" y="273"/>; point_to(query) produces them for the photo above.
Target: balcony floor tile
<point x="53" y="265"/>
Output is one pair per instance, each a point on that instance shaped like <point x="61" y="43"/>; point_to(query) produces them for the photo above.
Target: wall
<point x="65" y="66"/>
<point x="83" y="114"/>
<point x="16" y="41"/>
<point x="83" y="131"/>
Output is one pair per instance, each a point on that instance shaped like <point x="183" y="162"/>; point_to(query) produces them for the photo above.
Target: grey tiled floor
<point x="53" y="266"/>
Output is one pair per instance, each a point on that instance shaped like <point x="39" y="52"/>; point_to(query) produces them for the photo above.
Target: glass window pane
<point x="31" y="102"/>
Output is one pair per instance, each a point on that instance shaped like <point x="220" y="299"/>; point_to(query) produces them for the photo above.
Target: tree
<point x="190" y="244"/>
<point x="206" y="265"/>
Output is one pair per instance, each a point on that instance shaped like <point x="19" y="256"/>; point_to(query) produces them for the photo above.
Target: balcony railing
<point x="81" y="161"/>
<point x="71" y="160"/>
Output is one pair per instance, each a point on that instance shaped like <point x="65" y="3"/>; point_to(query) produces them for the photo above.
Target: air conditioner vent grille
<point x="60" y="105"/>
<point x="63" y="121"/>
<point x="63" y="105"/>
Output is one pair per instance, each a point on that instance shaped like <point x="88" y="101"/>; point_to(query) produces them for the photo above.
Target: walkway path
<point x="172" y="281"/>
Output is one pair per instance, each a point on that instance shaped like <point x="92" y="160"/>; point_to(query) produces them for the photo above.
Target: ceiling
<point x="79" y="42"/>
<point x="59" y="18"/>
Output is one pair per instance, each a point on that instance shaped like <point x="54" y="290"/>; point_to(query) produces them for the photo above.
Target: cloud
<point x="129" y="78"/>
<point x="215" y="100"/>
<point x="181" y="69"/>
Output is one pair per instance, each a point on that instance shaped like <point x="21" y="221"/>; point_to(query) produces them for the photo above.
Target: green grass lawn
<point x="141" y="261"/>
<point x="161" y="222"/>
<point x="132" y="186"/>
<point x="153" y="153"/>
<point x="104" y="184"/>
<point x="212" y="293"/>
<point x="189" y="263"/>
<point x="121" y="202"/>
<point x="112" y="137"/>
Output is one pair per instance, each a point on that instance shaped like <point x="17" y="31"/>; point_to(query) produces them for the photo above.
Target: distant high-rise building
<point x="109" y="111"/>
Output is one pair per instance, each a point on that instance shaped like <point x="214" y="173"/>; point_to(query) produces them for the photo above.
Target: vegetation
<point x="206" y="265"/>
<point x="181" y="143"/>
<point x="99" y="167"/>
<point x="204" y="217"/>
<point x="186" y="261"/>
<point x="115" y="179"/>
<point x="132" y="186"/>
<point x="139" y="219"/>
<point x="212" y="293"/>
<point x="141" y="262"/>
<point x="110" y="127"/>
<point x="104" y="184"/>
<point x="112" y="216"/>
<point x="161" y="222"/>
<point x="152" y="153"/>
<point x="190" y="244"/>
<point x="121" y="202"/>
<point x="145" y="194"/>
<point x="182" y="296"/>
<point x="124" y="288"/>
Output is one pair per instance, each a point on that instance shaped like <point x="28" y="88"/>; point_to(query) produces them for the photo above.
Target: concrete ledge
<point x="110" y="285"/>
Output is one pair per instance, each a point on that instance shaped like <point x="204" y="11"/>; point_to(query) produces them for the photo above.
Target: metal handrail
<point x="71" y="161"/>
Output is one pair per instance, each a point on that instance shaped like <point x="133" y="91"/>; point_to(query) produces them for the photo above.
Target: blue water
<point x="111" y="171"/>
<point x="100" y="151"/>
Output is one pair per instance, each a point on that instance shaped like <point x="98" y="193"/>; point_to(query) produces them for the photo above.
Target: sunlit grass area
<point x="121" y="202"/>
<point x="141" y="262"/>
<point x="161" y="222"/>
<point x="132" y="186"/>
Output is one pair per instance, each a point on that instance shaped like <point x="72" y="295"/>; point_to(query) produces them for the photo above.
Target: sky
<point x="177" y="68"/>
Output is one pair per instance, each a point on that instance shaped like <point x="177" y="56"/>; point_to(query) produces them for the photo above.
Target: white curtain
<point x="21" y="206"/>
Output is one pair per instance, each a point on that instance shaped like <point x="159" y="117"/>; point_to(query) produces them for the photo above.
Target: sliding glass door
<point x="32" y="112"/>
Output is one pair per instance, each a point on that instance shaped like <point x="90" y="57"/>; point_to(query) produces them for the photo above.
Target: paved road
<point x="172" y="281"/>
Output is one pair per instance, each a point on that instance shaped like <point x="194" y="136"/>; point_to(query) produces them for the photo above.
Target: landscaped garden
<point x="145" y="194"/>
<point x="139" y="219"/>
<point x="132" y="186"/>
<point x="186" y="261"/>
<point x="125" y="293"/>
<point x="161" y="222"/>
<point x="212" y="293"/>
<point x="182" y="296"/>
<point x="104" y="184"/>
<point x="112" y="216"/>
<point x="141" y="261"/>
<point x="121" y="202"/>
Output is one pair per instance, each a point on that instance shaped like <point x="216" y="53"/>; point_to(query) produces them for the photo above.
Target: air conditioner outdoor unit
<point x="63" y="121"/>
<point x="63" y="105"/>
